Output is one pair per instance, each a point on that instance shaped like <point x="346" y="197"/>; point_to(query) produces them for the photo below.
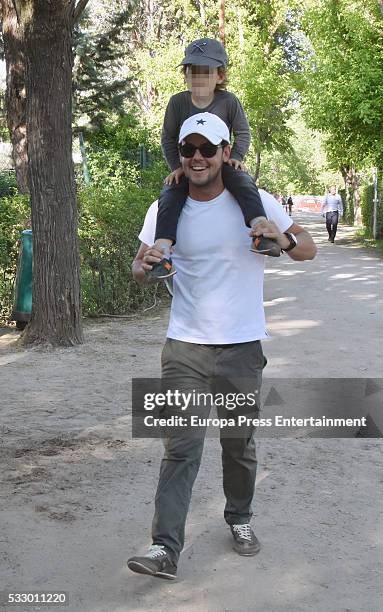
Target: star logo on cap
<point x="201" y="121"/>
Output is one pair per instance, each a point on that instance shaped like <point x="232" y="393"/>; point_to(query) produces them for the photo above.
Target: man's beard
<point x="209" y="179"/>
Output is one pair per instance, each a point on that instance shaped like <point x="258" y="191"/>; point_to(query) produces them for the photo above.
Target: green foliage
<point x="110" y="221"/>
<point x="113" y="152"/>
<point x="8" y="184"/>
<point x="348" y="205"/>
<point x="175" y="20"/>
<point x="109" y="225"/>
<point x="112" y="209"/>
<point x="343" y="86"/>
<point x="264" y="89"/>
<point x="264" y="58"/>
<point x="14" y="217"/>
<point x="107" y="168"/>
<point x="100" y="82"/>
<point x="367" y="206"/>
<point x="289" y="173"/>
<point x="159" y="79"/>
<point x="120" y="134"/>
<point x="263" y="54"/>
<point x="153" y="177"/>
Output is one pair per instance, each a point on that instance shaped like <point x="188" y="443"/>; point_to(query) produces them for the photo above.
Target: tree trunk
<point x="221" y="11"/>
<point x="241" y="36"/>
<point x="149" y="16"/>
<point x="257" y="165"/>
<point x="80" y="8"/>
<point x="15" y="92"/>
<point x="351" y="183"/>
<point x="202" y="12"/>
<point x="56" y="312"/>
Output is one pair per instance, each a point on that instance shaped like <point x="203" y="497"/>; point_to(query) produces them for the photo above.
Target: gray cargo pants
<point x="195" y="366"/>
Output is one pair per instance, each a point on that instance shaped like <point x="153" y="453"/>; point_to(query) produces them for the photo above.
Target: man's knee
<point x="239" y="447"/>
<point x="188" y="450"/>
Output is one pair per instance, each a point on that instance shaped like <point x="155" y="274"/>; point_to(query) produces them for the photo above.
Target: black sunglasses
<point x="207" y="149"/>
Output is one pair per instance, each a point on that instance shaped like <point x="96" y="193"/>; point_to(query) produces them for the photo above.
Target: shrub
<point x="14" y="217"/>
<point x="347" y="196"/>
<point x="367" y="206"/>
<point x="8" y="184"/>
<point x="109" y="170"/>
<point x="111" y="213"/>
<point x="110" y="222"/>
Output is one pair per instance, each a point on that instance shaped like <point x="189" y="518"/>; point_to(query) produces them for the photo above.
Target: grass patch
<point x="363" y="236"/>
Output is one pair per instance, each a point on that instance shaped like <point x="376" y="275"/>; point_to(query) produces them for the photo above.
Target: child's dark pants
<point x="172" y="198"/>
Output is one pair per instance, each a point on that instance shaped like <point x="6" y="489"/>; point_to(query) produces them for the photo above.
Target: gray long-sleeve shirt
<point x="225" y="104"/>
<point x="332" y="203"/>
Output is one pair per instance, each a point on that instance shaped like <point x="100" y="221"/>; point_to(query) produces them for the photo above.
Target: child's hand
<point x="174" y="176"/>
<point x="238" y="165"/>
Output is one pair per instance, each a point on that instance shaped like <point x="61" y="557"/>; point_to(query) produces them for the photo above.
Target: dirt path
<point x="77" y="492"/>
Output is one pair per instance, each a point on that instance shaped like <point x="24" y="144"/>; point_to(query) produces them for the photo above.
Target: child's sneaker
<point x="162" y="269"/>
<point x="266" y="246"/>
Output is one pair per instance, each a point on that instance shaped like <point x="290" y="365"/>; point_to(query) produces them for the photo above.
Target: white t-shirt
<point x="218" y="288"/>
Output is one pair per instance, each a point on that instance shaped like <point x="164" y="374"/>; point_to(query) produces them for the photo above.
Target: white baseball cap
<point x="206" y="124"/>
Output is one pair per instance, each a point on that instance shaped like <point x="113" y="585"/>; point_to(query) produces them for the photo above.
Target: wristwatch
<point x="293" y="242"/>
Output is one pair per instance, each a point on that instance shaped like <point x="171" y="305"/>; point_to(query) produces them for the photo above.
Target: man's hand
<point x="143" y="263"/>
<point x="237" y="165"/>
<point x="305" y="248"/>
<point x="174" y="176"/>
<point x="270" y="230"/>
<point x="152" y="255"/>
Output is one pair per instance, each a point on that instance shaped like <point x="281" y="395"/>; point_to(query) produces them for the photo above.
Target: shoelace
<point x="156" y="551"/>
<point x="243" y="531"/>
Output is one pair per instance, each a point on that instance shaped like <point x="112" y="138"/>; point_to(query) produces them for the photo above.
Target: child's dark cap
<point x="205" y="52"/>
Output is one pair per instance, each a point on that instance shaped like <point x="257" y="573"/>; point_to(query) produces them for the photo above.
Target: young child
<point x="205" y="65"/>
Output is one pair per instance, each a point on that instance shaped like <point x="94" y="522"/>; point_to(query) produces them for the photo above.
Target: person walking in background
<point x="332" y="209"/>
<point x="289" y="204"/>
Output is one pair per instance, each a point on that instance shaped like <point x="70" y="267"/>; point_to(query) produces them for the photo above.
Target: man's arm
<point x="305" y="249"/>
<point x="143" y="262"/>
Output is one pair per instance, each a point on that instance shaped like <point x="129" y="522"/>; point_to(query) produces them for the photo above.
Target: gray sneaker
<point x="265" y="246"/>
<point x="156" y="562"/>
<point x="245" y="541"/>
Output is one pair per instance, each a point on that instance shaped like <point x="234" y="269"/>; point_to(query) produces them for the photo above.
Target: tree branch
<point x="80" y="7"/>
<point x="16" y="10"/>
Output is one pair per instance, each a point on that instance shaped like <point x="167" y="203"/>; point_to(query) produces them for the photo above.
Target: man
<point x="216" y="324"/>
<point x="332" y="207"/>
